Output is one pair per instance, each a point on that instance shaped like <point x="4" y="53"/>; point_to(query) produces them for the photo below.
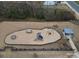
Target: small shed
<point x="68" y="32"/>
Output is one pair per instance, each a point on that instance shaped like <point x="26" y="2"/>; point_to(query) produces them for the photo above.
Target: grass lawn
<point x="77" y="2"/>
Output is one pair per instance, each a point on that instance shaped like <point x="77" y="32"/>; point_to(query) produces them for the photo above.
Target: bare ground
<point x="8" y="27"/>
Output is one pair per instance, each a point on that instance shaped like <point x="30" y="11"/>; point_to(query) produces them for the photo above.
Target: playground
<point x="33" y="37"/>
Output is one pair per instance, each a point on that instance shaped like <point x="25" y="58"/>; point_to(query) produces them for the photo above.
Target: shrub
<point x="24" y="10"/>
<point x="40" y="13"/>
<point x="35" y="55"/>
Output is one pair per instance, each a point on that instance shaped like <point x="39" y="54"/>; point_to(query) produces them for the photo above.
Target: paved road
<point x="74" y="5"/>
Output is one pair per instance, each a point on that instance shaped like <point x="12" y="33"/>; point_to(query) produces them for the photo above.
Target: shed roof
<point x="68" y="30"/>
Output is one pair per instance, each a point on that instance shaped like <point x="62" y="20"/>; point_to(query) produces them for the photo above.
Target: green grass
<point x="77" y="2"/>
